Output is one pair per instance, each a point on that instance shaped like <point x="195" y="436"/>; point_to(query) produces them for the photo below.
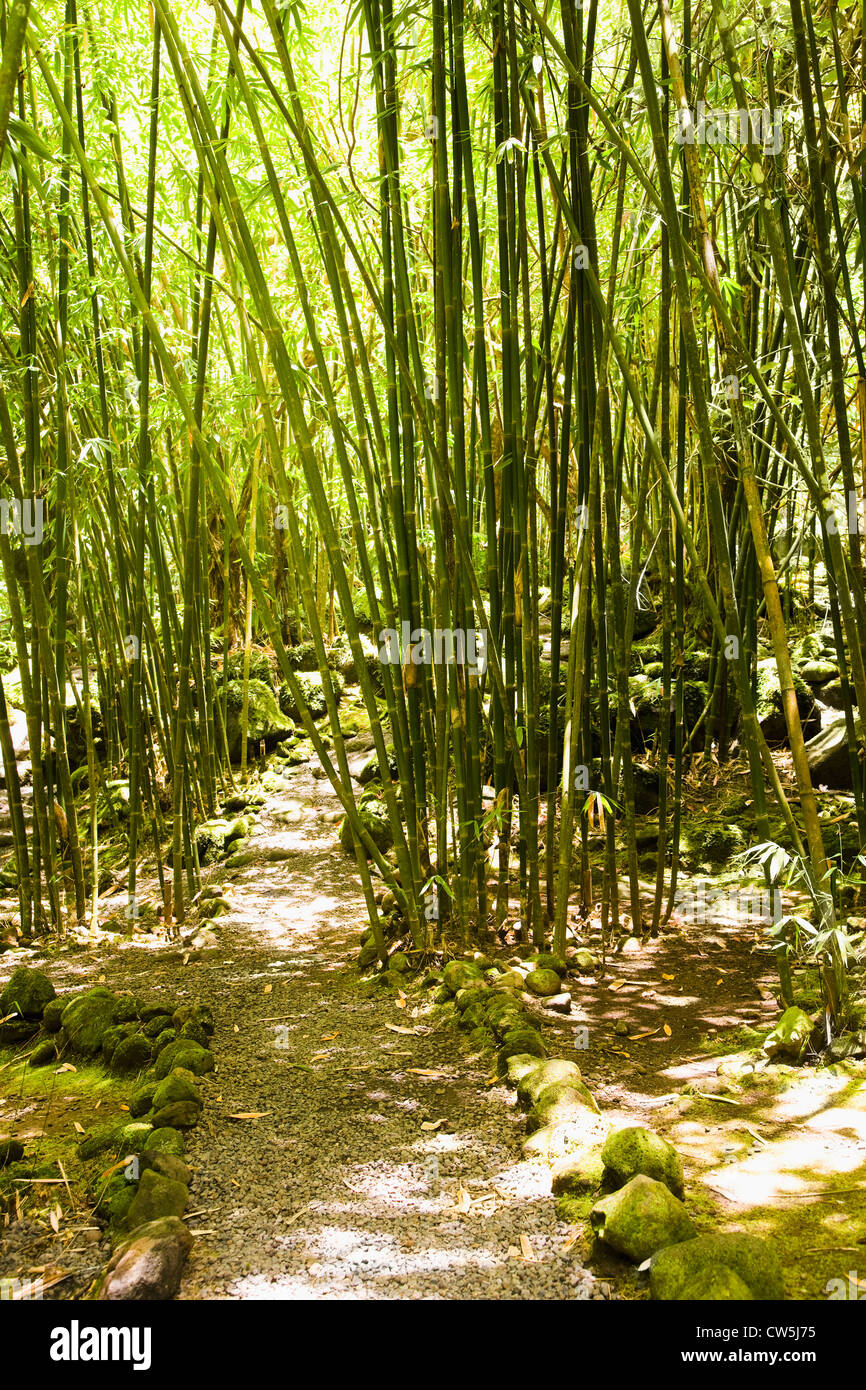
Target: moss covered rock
<point x="543" y="982"/>
<point x="562" y="1102"/>
<point x="790" y="1035"/>
<point x="184" y="1053"/>
<point x="102" y="1140"/>
<point x="132" y="1054"/>
<point x="579" y="1173"/>
<point x="177" y="1086"/>
<point x="521" y="1066"/>
<point x="520" y="1040"/>
<point x="458" y="973"/>
<point x="87" y="1018"/>
<point x="157" y="1196"/>
<point x="43" y="1053"/>
<point x="266" y="721"/>
<point x="180" y="1114"/>
<point x="634" y="1150"/>
<point x="141" y="1100"/>
<point x="682" y="1267"/>
<point x="156" y="1025"/>
<point x="165" y="1140"/>
<point x="641" y="1218"/>
<point x="27" y="993"/>
<point x="52" y="1014"/>
<point x="544" y="1074"/>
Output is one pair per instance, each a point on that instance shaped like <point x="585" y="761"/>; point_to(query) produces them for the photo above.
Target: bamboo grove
<point x="458" y="331"/>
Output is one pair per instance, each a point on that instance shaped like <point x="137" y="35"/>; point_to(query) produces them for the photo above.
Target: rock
<point x="100" y="1141"/>
<point x="165" y="1140"/>
<point x="543" y="1074"/>
<point x="555" y="1141"/>
<point x="718" y="1284"/>
<point x="846" y="1045"/>
<point x="457" y="973"/>
<point x="542" y="982"/>
<point x="368" y="954"/>
<point x="473" y="992"/>
<point x="560" y="1003"/>
<point x="641" y="1218"/>
<point x="520" y="1040"/>
<point x="374" y="818"/>
<point x="828" y="755"/>
<point x="753" y="1260"/>
<point x="149" y="1265"/>
<point x="578" y="1173"/>
<point x="132" y="1054"/>
<point x="184" y="1053"/>
<point x="43" y="1053"/>
<point x="520" y="1066"/>
<point x="168" y="1035"/>
<point x="312" y="693"/>
<point x="630" y="947"/>
<point x="125" y="1009"/>
<point x="115" y="1197"/>
<point x="193" y="1029"/>
<point x="768" y="703"/>
<point x="141" y="1101"/>
<point x="634" y="1150"/>
<point x="266" y="721"/>
<point x="87" y="1018"/>
<point x="134" y="1136"/>
<point x="586" y="961"/>
<point x="790" y="1035"/>
<point x="154" y="1026"/>
<point x="179" y="1085"/>
<point x="52" y="1013"/>
<point x="169" y="1165"/>
<point x="113" y="1037"/>
<point x="544" y="960"/>
<point x="180" y="1114"/>
<point x="11" y="1151"/>
<point x="400" y="962"/>
<point x="27" y="993"/>
<point x="562" y="1102"/>
<point x="157" y="1196"/>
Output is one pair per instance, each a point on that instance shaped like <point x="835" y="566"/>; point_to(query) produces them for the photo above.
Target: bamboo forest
<point x="432" y="658"/>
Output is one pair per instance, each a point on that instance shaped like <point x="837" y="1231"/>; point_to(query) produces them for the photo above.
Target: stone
<point x="587" y="961"/>
<point x="43" y="1053"/>
<point x="169" y="1165"/>
<point x="373" y="815"/>
<point x="126" y="1008"/>
<point x="560" y="1003"/>
<point x="149" y="1265"/>
<point x="102" y="1140"/>
<point x="168" y="1035"/>
<point x="634" y="1150"/>
<point x="578" y="1173"/>
<point x="560" y="1103"/>
<point x="132" y="1054"/>
<point x="520" y="1066"/>
<point x="544" y="960"/>
<point x="180" y="1114"/>
<point x="266" y="722"/>
<point x="716" y="1284"/>
<point x="544" y="1074"/>
<point x="368" y="954"/>
<point x="790" y="1035"/>
<point x="542" y="982"/>
<point x="457" y="973"/>
<point x="193" y="1029"/>
<point x="753" y="1260"/>
<point x="141" y="1101"/>
<point x="400" y="962"/>
<point x="640" y="1219"/>
<point x="520" y="1040"/>
<point x="17" y="1029"/>
<point x="179" y="1085"/>
<point x="52" y="1013"/>
<point x="829" y="757"/>
<point x="154" y="1026"/>
<point x="133" y="1136"/>
<point x="11" y="1151"/>
<point x="114" y="1198"/>
<point x="166" y="1140"/>
<point x="184" y="1053"/>
<point x="27" y="993"/>
<point x="157" y="1196"/>
<point x="87" y="1018"/>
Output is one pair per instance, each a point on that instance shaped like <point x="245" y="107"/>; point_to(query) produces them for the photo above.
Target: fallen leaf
<point x="320" y="1057"/>
<point x="54" y="1220"/>
<point x="268" y="989"/>
<point x="251" y="1114"/>
<point x="431" y="1124"/>
<point x="617" y="984"/>
<point x="668" y="977"/>
<point x="78" y="1127"/>
<point x="667" y="1030"/>
<point x="67" y="1066"/>
<point x="571" y="1240"/>
<point x="638" y="1037"/>
<point x="395" y="1028"/>
<point x="329" y="1037"/>
<point x="429" y="1073"/>
<point x="526" y="1249"/>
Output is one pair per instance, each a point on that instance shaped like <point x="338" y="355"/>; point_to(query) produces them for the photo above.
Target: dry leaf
<point x="268" y="989"/>
<point x="67" y="1066"/>
<point x="429" y="1073"/>
<point x="638" y="1037"/>
<point x="667" y="1030"/>
<point x="431" y="1124"/>
<point x="395" y="1028"/>
<point x="571" y="1240"/>
<point x="526" y="1249"/>
<point x="250" y="1114"/>
<point x="320" y="1057"/>
<point x="54" y="1221"/>
<point x="464" y="1200"/>
<point x="329" y="1037"/>
<point x="78" y="1127"/>
<point x="668" y="977"/>
<point x="617" y="984"/>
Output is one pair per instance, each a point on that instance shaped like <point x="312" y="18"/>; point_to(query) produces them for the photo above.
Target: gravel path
<point x="346" y="1187"/>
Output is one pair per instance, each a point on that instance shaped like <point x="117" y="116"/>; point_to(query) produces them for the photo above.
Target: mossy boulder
<point x="43" y="1053"/>
<point x="156" y="1025"/>
<point x="195" y="1031"/>
<point x="266" y="721"/>
<point x="562" y="1102"/>
<point x="126" y="1008"/>
<point x="113" y="1037"/>
<point x="102" y="1140"/>
<point x="587" y="961"/>
<point x="543" y="982"/>
<point x="157" y="1196"/>
<point x="368" y="954"/>
<point x="179" y="1085"/>
<point x="521" y="1066"/>
<point x="634" y="1150"/>
<point x="544" y="1074"/>
<point x="768" y="703"/>
<point x="148" y="1265"/>
<point x="141" y="1100"/>
<point x="184" y="1053"/>
<point x="544" y="960"/>
<point x="27" y="993"/>
<point x="52" y="1014"/>
<point x="473" y="992"/>
<point x="165" y="1140"/>
<point x="579" y="1173"/>
<point x="458" y="973"/>
<point x="132" y="1054"/>
<point x="87" y="1018"/>
<point x="374" y="818"/>
<point x="180" y="1114"/>
<point x="640" y="1219"/>
<point x="115" y="1196"/>
<point x="168" y="1035"/>
<point x="790" y="1035"/>
<point x="11" y="1151"/>
<point x="719" y="1284"/>
<point x="169" y="1165"/>
<point x="678" y="1269"/>
<point x="520" y="1040"/>
<point x="134" y="1136"/>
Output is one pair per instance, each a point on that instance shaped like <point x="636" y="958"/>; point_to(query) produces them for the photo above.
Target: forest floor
<point x="352" y="1146"/>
